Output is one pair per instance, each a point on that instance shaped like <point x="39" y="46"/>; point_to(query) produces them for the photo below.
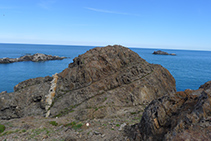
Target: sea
<point x="189" y="68"/>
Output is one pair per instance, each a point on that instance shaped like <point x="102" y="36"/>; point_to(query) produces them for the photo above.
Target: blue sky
<point x="173" y="24"/>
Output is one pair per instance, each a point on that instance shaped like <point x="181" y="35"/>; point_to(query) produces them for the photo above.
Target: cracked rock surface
<point x="104" y="82"/>
<point x="181" y="116"/>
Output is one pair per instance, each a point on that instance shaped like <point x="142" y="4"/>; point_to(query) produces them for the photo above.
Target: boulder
<point x="181" y="116"/>
<point x="104" y="82"/>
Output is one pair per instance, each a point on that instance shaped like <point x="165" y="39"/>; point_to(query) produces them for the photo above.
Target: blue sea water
<point x="189" y="68"/>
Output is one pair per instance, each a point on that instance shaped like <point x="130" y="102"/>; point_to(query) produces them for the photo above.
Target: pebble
<point x="122" y="126"/>
<point x="97" y="133"/>
<point x="103" y="135"/>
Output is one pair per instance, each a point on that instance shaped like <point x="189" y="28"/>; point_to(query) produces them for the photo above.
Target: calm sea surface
<point x="189" y="68"/>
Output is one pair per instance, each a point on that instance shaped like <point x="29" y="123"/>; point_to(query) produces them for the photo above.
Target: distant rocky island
<point x="107" y="93"/>
<point x="34" y="58"/>
<point x="159" y="52"/>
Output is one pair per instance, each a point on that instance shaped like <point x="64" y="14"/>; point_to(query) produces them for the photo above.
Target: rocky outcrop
<point x="35" y="58"/>
<point x="102" y="83"/>
<point x="27" y="100"/>
<point x="159" y="52"/>
<point x="181" y="116"/>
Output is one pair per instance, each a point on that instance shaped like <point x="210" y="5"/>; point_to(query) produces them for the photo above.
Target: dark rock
<point x="97" y="133"/>
<point x="159" y="52"/>
<point x="35" y="58"/>
<point x="176" y="117"/>
<point x="98" y="84"/>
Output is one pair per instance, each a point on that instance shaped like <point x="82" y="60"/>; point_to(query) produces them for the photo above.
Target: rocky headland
<point x="159" y="52"/>
<point x="107" y="93"/>
<point x="34" y="58"/>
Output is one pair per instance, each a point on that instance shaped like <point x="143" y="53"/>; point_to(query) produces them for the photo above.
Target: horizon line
<point x="141" y="46"/>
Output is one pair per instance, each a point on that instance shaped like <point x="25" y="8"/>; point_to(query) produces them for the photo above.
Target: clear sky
<point x="173" y="24"/>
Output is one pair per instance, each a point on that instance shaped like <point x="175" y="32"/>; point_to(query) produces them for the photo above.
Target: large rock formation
<point x="35" y="58"/>
<point x="181" y="116"/>
<point x="104" y="82"/>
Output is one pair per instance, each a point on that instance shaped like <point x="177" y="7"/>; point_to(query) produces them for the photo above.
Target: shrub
<point x="74" y="125"/>
<point x="2" y="128"/>
<point x="117" y="125"/>
<point x="54" y="123"/>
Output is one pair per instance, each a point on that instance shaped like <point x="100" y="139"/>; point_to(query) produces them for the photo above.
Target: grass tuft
<point x="2" y="128"/>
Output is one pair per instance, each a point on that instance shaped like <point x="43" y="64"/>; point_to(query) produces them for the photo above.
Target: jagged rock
<point x="181" y="116"/>
<point x="35" y="58"/>
<point x="27" y="100"/>
<point x="104" y="82"/>
<point x="159" y="52"/>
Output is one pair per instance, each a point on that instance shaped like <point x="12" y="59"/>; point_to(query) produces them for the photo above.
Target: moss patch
<point x="2" y="128"/>
<point x="54" y="123"/>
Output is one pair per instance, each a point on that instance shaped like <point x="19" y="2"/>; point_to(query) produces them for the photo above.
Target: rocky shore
<point x="35" y="58"/>
<point x="107" y="93"/>
<point x="181" y="116"/>
<point x="159" y="52"/>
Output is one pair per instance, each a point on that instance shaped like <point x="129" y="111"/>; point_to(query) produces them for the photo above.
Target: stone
<point x="122" y="126"/>
<point x="97" y="133"/>
<point x="179" y="116"/>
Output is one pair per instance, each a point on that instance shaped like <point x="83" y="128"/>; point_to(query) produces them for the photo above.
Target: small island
<point x="34" y="58"/>
<point x="159" y="52"/>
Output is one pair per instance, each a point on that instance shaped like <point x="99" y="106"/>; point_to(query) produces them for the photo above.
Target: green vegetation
<point x="9" y="132"/>
<point x="133" y="113"/>
<point x="36" y="132"/>
<point x="2" y="128"/>
<point x="117" y="125"/>
<point x="74" y="125"/>
<point x="104" y="124"/>
<point x="54" y="123"/>
<point x="66" y="111"/>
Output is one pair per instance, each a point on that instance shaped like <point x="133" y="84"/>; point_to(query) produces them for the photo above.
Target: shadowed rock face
<point x="104" y="82"/>
<point x="181" y="116"/>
